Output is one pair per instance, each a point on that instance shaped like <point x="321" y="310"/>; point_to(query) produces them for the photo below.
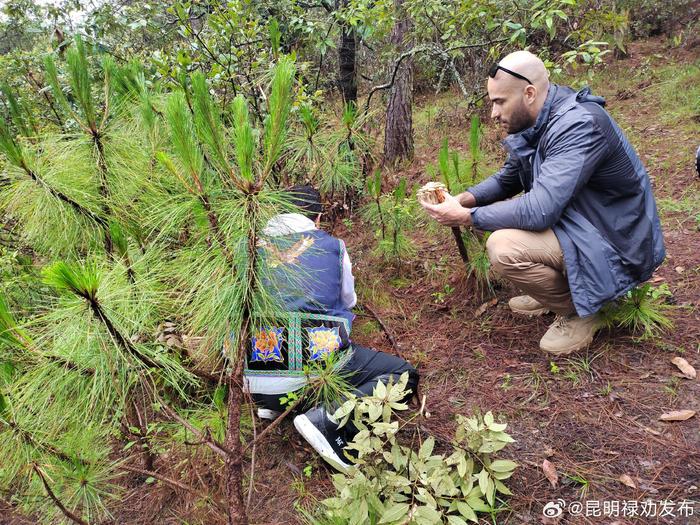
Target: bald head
<point x="528" y="65"/>
<point x="517" y="102"/>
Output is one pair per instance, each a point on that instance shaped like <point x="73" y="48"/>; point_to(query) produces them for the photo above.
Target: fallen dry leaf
<point x="685" y="367"/>
<point x="650" y="430"/>
<point x="680" y="269"/>
<point x="550" y="472"/>
<point x="647" y="487"/>
<point x="677" y="415"/>
<point x="488" y="304"/>
<point x="627" y="480"/>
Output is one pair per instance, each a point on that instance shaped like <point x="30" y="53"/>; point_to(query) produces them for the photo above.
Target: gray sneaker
<point x="526" y="305"/>
<point x="569" y="333"/>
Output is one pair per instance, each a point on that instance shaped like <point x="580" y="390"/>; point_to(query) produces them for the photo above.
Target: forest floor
<point x="593" y="416"/>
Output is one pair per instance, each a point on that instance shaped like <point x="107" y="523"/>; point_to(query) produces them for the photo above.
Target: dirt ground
<point x="594" y="416"/>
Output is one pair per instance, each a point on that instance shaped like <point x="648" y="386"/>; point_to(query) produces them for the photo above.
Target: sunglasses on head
<point x="494" y="69"/>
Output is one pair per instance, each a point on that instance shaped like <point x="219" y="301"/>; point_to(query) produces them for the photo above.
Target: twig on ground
<point x="205" y="439"/>
<point x="274" y="424"/>
<point x="173" y="483"/>
<point x="388" y="333"/>
<point x="67" y="513"/>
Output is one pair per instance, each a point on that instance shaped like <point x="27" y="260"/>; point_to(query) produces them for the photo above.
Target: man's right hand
<point x="448" y="213"/>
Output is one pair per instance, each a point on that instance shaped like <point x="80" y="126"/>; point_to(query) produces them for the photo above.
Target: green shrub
<point x="642" y="310"/>
<point x="392" y="483"/>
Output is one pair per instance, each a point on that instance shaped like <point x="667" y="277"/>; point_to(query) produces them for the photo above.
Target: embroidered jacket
<point x="310" y="273"/>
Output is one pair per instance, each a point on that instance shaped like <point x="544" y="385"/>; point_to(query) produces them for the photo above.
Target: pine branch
<point x="79" y="208"/>
<point x="104" y="186"/>
<point x="27" y="437"/>
<point x="117" y="336"/>
<point x="41" y="89"/>
<point x="67" y="513"/>
<point x="216" y="230"/>
<point x="234" y="462"/>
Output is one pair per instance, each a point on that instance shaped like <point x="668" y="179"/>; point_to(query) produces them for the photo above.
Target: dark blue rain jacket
<point x="582" y="178"/>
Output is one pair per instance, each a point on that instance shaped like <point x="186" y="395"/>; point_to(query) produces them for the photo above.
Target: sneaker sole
<point x="583" y="344"/>
<point x="319" y="443"/>
<point x="529" y="313"/>
<point x="266" y="413"/>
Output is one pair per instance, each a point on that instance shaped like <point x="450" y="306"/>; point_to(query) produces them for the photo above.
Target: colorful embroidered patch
<point x="323" y="341"/>
<point x="267" y="345"/>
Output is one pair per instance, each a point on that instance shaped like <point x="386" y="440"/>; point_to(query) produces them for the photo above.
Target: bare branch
<point x="274" y="424"/>
<point x="67" y="513"/>
<point x="173" y="483"/>
<point x="388" y="333"/>
<point x="432" y="49"/>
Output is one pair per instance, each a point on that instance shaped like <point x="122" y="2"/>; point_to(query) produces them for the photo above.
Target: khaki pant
<point x="534" y="262"/>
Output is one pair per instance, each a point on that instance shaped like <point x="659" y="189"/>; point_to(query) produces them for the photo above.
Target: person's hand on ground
<point x="449" y="213"/>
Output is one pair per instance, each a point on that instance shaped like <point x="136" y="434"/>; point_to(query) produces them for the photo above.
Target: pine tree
<point x="149" y="209"/>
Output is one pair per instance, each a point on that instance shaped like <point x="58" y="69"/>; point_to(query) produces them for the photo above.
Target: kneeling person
<point x="312" y="274"/>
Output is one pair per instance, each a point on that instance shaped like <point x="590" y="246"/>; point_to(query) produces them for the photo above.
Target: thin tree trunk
<point x="347" y="66"/>
<point x="234" y="461"/>
<point x="237" y="514"/>
<point x="398" y="136"/>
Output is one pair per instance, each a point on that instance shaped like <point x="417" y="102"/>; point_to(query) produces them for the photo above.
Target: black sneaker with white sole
<point x="324" y="436"/>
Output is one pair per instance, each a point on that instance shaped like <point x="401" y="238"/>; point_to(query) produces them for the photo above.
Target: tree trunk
<point x="347" y="54"/>
<point x="237" y="514"/>
<point x="237" y="511"/>
<point x="398" y="136"/>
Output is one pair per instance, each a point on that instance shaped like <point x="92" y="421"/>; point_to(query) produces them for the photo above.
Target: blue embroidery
<point x="323" y="341"/>
<point x="267" y="345"/>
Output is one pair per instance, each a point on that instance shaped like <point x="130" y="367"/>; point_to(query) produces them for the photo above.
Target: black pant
<point x="366" y="368"/>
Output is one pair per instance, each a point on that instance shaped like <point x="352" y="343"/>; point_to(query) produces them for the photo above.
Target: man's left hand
<point x="449" y="213"/>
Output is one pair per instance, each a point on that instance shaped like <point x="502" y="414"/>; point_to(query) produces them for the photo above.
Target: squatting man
<point x="584" y="229"/>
